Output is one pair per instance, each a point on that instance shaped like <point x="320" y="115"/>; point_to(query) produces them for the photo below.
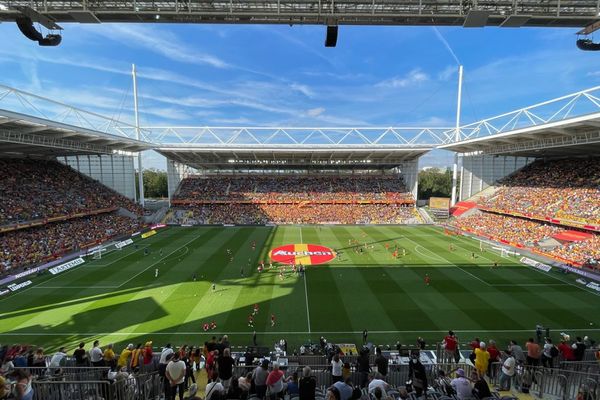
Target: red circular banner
<point x="305" y="254"/>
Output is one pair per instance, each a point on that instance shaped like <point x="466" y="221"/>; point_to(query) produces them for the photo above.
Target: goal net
<point x="505" y="252"/>
<point x="97" y="254"/>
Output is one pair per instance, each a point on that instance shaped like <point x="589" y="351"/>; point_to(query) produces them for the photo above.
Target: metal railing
<point x="556" y="382"/>
<point x="140" y="387"/>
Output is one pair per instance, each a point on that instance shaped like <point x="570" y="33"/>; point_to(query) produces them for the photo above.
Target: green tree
<point x="155" y="183"/>
<point x="435" y="183"/>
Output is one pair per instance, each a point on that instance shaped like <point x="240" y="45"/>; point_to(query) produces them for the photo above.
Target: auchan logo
<point x="305" y="254"/>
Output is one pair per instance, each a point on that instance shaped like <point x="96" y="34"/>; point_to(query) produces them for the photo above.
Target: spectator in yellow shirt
<point x="135" y="358"/>
<point x="482" y="359"/>
<point x="109" y="356"/>
<point x="124" y="357"/>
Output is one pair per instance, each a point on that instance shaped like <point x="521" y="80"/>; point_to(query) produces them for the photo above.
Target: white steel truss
<point x="297" y="136"/>
<point x="551" y="112"/>
<point x="506" y="13"/>
<point x="42" y="107"/>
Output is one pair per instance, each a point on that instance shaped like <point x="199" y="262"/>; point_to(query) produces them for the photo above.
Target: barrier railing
<point x="544" y="382"/>
<point x="68" y="373"/>
<point x="140" y="387"/>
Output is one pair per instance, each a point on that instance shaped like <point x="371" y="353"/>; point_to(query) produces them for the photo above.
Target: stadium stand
<point x="566" y="189"/>
<point x="524" y="233"/>
<point x="295" y="199"/>
<point x="48" y="209"/>
<point x="36" y="245"/>
<point x="39" y="189"/>
<point x="539" y="203"/>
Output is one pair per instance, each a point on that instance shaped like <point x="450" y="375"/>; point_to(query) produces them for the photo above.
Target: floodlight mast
<point x="137" y="132"/>
<point x="457" y="134"/>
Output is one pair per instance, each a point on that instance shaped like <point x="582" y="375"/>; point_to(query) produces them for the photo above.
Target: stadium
<point x="299" y="262"/>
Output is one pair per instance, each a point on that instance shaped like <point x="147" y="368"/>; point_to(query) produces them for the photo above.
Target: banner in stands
<point x="305" y="254"/>
<point x="594" y="286"/>
<point x="581" y="272"/>
<point x="66" y="266"/>
<point x="16" y="286"/>
<point x="25" y="273"/>
<point x="439" y="203"/>
<point x="148" y="234"/>
<point x="535" y="264"/>
<point x="124" y="243"/>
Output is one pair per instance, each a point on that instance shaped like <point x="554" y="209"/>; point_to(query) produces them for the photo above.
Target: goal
<point x="97" y="254"/>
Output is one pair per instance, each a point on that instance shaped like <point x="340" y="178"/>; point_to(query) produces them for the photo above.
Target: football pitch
<point x="119" y="299"/>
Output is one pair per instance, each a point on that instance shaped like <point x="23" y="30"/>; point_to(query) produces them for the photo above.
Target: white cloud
<point x="315" y="112"/>
<point x="447" y="73"/>
<point x="160" y="41"/>
<point x="232" y="121"/>
<point x="304" y="89"/>
<point x="414" y="77"/>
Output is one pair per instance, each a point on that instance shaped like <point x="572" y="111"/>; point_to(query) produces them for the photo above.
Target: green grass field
<point x="118" y="299"/>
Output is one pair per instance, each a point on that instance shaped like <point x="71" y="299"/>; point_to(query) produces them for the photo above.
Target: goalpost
<point x="97" y="254"/>
<point x="99" y="251"/>
<point x="505" y="252"/>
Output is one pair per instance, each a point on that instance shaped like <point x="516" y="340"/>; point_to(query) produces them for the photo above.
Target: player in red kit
<point x="255" y="309"/>
<point x="251" y="321"/>
<point x="272" y="319"/>
<point x="427" y="279"/>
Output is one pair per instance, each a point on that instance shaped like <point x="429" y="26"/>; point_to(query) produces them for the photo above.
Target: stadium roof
<point x="285" y="147"/>
<point x="476" y="13"/>
<point x="25" y="135"/>
<point x="566" y="126"/>
<point x="293" y="156"/>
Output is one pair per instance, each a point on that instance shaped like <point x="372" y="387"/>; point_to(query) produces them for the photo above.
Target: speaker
<point x="25" y="25"/>
<point x="50" y="40"/>
<point x="331" y="38"/>
<point x="588" y="45"/>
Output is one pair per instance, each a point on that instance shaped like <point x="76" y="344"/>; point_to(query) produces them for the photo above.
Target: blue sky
<point x="240" y="75"/>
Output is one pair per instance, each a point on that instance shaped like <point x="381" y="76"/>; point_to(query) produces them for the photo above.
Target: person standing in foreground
<point x="96" y="355"/>
<point x="508" y="371"/>
<point x="175" y="374"/>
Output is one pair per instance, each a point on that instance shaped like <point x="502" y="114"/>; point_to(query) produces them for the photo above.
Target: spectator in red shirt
<point x="533" y="352"/>
<point x="275" y="381"/>
<point x="148" y="353"/>
<point x="450" y="347"/>
<point x="494" y="356"/>
<point x="566" y="351"/>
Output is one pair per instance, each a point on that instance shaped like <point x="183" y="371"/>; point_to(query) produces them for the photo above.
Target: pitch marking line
<point x="74" y="287"/>
<point x="433" y="257"/>
<point x="552" y="276"/>
<point x="285" y="332"/>
<point x="305" y="290"/>
<point x="92" y="264"/>
<point x="444" y="259"/>
<point x="306" y="296"/>
<point x="159" y="260"/>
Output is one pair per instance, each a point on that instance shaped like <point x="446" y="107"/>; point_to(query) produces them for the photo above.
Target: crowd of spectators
<point x="511" y="229"/>
<point x="567" y="189"/>
<point x="347" y="378"/>
<point x="31" y="246"/>
<point x="529" y="233"/>
<point x="301" y="199"/>
<point x="586" y="252"/>
<point x="279" y="188"/>
<point x="38" y="189"/>
<point x="303" y="214"/>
